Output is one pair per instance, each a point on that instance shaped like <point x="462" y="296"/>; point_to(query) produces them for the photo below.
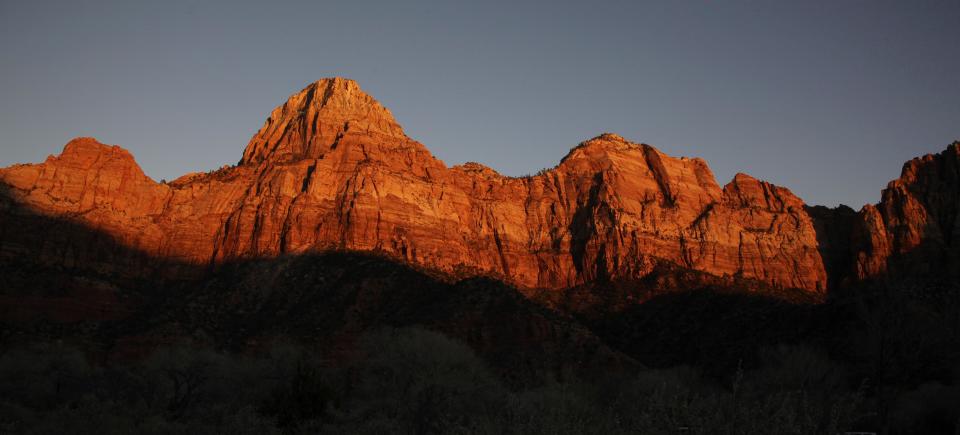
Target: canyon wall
<point x="914" y="231"/>
<point x="332" y="170"/>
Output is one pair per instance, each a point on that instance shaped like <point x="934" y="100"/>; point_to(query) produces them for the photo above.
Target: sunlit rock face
<point x="332" y="169"/>
<point x="915" y="229"/>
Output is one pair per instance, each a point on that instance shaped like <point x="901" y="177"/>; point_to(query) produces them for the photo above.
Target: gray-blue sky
<point x="827" y="98"/>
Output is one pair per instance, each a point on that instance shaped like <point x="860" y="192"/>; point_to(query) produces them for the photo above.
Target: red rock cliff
<point x="332" y="169"/>
<point x="915" y="229"/>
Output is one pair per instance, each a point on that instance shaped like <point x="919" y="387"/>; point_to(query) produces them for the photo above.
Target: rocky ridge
<point x="915" y="228"/>
<point x="332" y="170"/>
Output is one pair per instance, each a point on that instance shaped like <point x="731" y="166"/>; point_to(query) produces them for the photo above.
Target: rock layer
<point x="332" y="169"/>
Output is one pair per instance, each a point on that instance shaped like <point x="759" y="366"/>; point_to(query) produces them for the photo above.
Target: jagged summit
<point x="314" y="120"/>
<point x="332" y="169"/>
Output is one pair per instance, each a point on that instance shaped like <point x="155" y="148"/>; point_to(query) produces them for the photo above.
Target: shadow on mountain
<point x="680" y="343"/>
<point x="57" y="270"/>
<point x="834" y="227"/>
<point x="66" y="280"/>
<point x="330" y="299"/>
<point x="710" y="328"/>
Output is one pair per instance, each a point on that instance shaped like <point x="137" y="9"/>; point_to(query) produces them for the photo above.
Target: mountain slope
<point x="915" y="229"/>
<point x="331" y="169"/>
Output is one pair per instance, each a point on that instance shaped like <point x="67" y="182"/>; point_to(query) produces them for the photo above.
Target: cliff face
<point x="915" y="229"/>
<point x="47" y="210"/>
<point x="332" y="169"/>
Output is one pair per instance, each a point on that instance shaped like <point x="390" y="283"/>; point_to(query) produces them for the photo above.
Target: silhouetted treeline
<point x="412" y="381"/>
<point x="887" y="361"/>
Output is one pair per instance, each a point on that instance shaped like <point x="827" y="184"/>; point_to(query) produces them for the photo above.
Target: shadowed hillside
<point x="680" y="348"/>
<point x="341" y="279"/>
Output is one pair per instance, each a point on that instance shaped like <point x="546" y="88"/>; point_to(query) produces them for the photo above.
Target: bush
<point x="424" y="382"/>
<point x="43" y="376"/>
<point x="416" y="381"/>
<point x="305" y="398"/>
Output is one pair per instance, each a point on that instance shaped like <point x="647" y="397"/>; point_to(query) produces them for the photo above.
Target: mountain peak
<point x="313" y="120"/>
<point x="331" y="169"/>
<point x="87" y="145"/>
<point x="599" y="145"/>
<point x="87" y="151"/>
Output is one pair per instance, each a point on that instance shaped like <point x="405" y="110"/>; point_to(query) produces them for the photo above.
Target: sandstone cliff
<point x="332" y="169"/>
<point x="915" y="229"/>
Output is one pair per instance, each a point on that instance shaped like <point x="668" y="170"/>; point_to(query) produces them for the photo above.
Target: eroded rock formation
<point x="332" y="169"/>
<point x="915" y="229"/>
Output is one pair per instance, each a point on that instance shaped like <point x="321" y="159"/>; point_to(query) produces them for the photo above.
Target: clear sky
<point x="828" y="98"/>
